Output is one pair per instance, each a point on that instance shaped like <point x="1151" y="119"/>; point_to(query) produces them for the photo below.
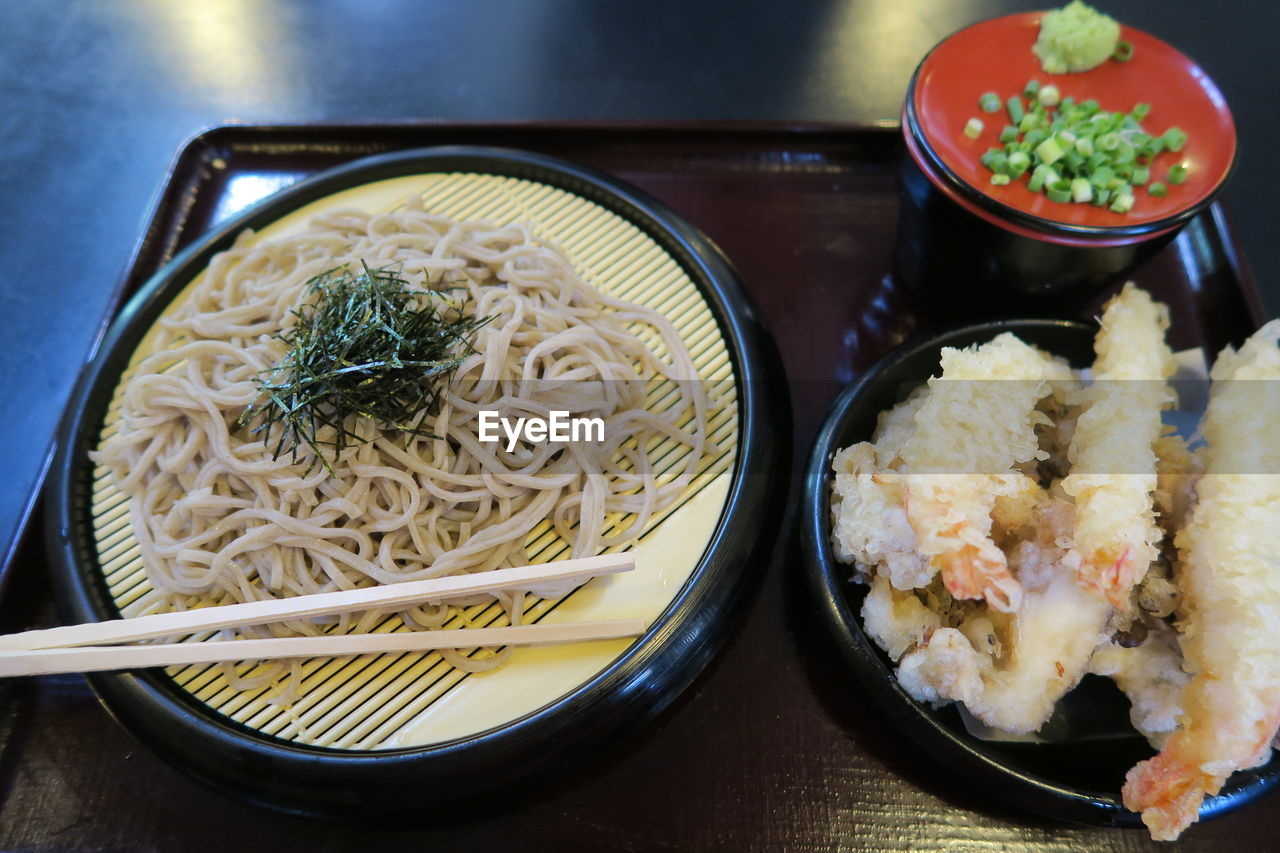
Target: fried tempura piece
<point x="1113" y="471"/>
<point x="945" y="668"/>
<point x="868" y="523"/>
<point x="896" y="620"/>
<point x="1230" y="578"/>
<point x="1151" y="675"/>
<point x="869" y="526"/>
<point x="1048" y="640"/>
<point x="1177" y="470"/>
<point x="975" y="426"/>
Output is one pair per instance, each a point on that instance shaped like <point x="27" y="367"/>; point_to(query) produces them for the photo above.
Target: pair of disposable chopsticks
<point x="90" y="647"/>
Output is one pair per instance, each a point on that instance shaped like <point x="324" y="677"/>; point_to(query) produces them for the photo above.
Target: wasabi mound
<point x="1076" y="37"/>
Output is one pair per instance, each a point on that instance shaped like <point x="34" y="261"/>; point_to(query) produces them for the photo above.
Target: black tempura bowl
<point x="1077" y="780"/>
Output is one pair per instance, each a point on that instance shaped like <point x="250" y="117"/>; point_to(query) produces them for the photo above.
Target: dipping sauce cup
<point x="971" y="246"/>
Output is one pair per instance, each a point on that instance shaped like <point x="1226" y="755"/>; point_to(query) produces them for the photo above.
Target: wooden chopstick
<point x="320" y="604"/>
<point x="97" y="658"/>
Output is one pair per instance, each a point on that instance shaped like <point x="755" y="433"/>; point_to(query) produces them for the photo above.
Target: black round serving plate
<point x="423" y="780"/>
<point x="1076" y="780"/>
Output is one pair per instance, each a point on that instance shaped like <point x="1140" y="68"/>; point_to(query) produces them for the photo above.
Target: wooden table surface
<point x="772" y="747"/>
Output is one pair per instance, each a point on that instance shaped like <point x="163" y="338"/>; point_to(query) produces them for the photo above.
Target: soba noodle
<point x="218" y="519"/>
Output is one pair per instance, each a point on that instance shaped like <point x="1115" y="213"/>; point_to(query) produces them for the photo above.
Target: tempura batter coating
<point x="1151" y="676"/>
<point x="1113" y="472"/>
<point x="896" y="620"/>
<point x="1177" y="471"/>
<point x="868" y="522"/>
<point x="1047" y="642"/>
<point x="1230" y="580"/>
<point x="975" y="426"/>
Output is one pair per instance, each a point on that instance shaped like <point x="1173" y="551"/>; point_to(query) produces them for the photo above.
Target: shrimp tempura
<point x="1230" y="579"/>
<point x="1113" y="471"/>
<point x="976" y="424"/>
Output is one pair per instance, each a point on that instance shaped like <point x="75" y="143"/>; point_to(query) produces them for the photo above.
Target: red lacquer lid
<point x="996" y="56"/>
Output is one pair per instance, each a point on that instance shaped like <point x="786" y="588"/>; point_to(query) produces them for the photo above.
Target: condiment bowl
<point x="1005" y="250"/>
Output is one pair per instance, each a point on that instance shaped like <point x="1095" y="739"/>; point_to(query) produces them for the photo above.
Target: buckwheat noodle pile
<point x="219" y="520"/>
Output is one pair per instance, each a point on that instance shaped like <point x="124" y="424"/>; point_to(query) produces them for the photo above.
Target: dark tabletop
<point x="97" y="99"/>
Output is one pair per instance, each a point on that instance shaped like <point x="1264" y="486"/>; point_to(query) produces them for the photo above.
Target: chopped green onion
<point x="1123" y="51"/>
<point x="994" y="159"/>
<point x="1016" y="112"/>
<point x="1174" y="138"/>
<point x="1099" y="155"/>
<point x="1153" y="147"/>
<point x="1049" y="151"/>
<point x="1058" y="195"/>
<point x="1081" y="190"/>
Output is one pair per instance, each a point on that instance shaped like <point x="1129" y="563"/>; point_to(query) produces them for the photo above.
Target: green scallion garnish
<point x="1174" y="139"/>
<point x="1014" y="105"/>
<point x="1098" y="155"/>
